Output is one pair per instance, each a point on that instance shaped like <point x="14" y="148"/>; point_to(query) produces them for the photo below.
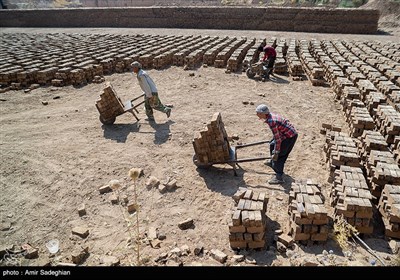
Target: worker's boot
<point x="276" y="180"/>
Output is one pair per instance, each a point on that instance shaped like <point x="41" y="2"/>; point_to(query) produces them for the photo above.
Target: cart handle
<point x="252" y="144"/>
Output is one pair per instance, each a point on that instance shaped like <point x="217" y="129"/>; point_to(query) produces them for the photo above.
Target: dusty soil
<point x="55" y="157"/>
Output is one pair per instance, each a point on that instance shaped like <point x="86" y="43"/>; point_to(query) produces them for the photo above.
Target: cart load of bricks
<point x="211" y="144"/>
<point x="247" y="229"/>
<point x="308" y="215"/>
<point x="109" y="105"/>
<point x="351" y="198"/>
<point x="389" y="207"/>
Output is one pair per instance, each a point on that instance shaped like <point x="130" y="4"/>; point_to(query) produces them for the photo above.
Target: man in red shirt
<point x="269" y="57"/>
<point x="285" y="136"/>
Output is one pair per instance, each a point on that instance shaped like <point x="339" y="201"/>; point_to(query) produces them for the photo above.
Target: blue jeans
<point x="286" y="147"/>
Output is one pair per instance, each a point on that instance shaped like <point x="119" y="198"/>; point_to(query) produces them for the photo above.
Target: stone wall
<point x="321" y="20"/>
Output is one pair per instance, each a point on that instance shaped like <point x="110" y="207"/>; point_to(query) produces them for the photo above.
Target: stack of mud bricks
<point x="222" y="57"/>
<point x="370" y="140"/>
<point x="293" y="61"/>
<point x="280" y="66"/>
<point x="382" y="169"/>
<point x="164" y="60"/>
<point x="212" y="144"/>
<point x="238" y="55"/>
<point x="109" y="105"/>
<point x="351" y="198"/>
<point x="44" y="77"/>
<point x="340" y="150"/>
<point x="359" y="121"/>
<point x="389" y="207"/>
<point x="313" y="70"/>
<point x="325" y="128"/>
<point x="388" y="121"/>
<point x="248" y="226"/>
<point x="308" y="215"/>
<point x="339" y="85"/>
<point x="396" y="149"/>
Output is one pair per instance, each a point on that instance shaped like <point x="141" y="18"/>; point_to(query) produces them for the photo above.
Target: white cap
<point x="136" y="64"/>
<point x="263" y="109"/>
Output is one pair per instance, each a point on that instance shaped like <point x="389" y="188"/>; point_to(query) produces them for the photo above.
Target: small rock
<point x="81" y="231"/>
<point x="124" y="199"/>
<point x="114" y="199"/>
<point x="82" y="210"/>
<point x="162" y="188"/>
<point x="198" y="250"/>
<point x="105" y="189"/>
<point x="185" y="250"/>
<point x="219" y="255"/>
<point x="186" y="224"/>
<point x="79" y="255"/>
<point x="5" y="226"/>
<point x="161" y="236"/>
<point x="250" y="260"/>
<point x="238" y="258"/>
<point x="45" y="103"/>
<point x="152" y="233"/>
<point x="171" y="184"/>
<point x="110" y="261"/>
<point x="30" y="252"/>
<point x="152" y="182"/>
<point x="155" y="243"/>
<point x="132" y="207"/>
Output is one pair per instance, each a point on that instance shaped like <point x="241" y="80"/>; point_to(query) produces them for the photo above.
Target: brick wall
<point x="319" y="20"/>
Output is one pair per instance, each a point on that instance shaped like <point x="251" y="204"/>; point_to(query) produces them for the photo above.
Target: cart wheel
<point x="198" y="164"/>
<point x="250" y="74"/>
<point x="108" y="121"/>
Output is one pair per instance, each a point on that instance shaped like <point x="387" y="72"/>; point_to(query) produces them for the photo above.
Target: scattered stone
<point x="30" y="252"/>
<point x="114" y="199"/>
<point x="155" y="243"/>
<point x="286" y="240"/>
<point x="110" y="261"/>
<point x="27" y="90"/>
<point x="105" y="189"/>
<point x="198" y="250"/>
<point x="161" y="236"/>
<point x="5" y="226"/>
<point x="124" y="199"/>
<point x="132" y="207"/>
<point x="186" y="224"/>
<point x="114" y="184"/>
<point x="219" y="255"/>
<point x="56" y="97"/>
<point x="162" y="188"/>
<point x="185" y="250"/>
<point x="161" y="258"/>
<point x="175" y="252"/>
<point x="81" y="231"/>
<point x="245" y="102"/>
<point x="191" y="74"/>
<point x="278" y="232"/>
<point x="237" y="258"/>
<point x="279" y="198"/>
<point x="250" y="260"/>
<point x="82" y="210"/>
<point x="171" y="184"/>
<point x="308" y="262"/>
<point x="152" y="233"/>
<point x="45" y="102"/>
<point x="394" y="246"/>
<point x="173" y="263"/>
<point x="79" y="255"/>
<point x="235" y="137"/>
<point x="152" y="182"/>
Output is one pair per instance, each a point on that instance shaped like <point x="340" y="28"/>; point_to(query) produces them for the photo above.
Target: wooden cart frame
<point x="233" y="160"/>
<point x="110" y="106"/>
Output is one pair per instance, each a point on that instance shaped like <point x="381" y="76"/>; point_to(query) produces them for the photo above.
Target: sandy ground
<point x="55" y="157"/>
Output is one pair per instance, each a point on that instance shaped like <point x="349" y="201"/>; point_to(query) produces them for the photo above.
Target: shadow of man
<point x="119" y="132"/>
<point x="162" y="131"/>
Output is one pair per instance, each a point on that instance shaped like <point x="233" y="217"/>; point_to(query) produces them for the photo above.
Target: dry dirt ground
<point x="55" y="158"/>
